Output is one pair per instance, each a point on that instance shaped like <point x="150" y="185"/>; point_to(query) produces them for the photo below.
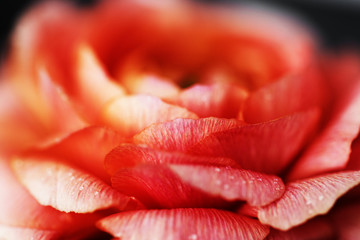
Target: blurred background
<point x="336" y="21"/>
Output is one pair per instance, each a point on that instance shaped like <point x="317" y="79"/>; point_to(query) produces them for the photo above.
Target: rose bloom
<point x="174" y="120"/>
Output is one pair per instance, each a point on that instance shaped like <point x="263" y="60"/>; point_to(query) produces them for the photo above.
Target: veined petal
<point x="129" y="115"/>
<point x="180" y="134"/>
<point x="232" y="183"/>
<point x="330" y="150"/>
<point x="14" y="233"/>
<point x="265" y="147"/>
<point x="65" y="188"/>
<point x="174" y="224"/>
<point x="307" y="198"/>
<point x="130" y="155"/>
<point x="156" y="186"/>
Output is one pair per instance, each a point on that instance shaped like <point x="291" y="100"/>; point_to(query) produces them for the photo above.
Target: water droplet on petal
<point x="81" y="188"/>
<point x="321" y="197"/>
<point x="96" y="193"/>
<point x="217" y="169"/>
<point x="218" y="182"/>
<point x="193" y="237"/>
<point x="226" y="186"/>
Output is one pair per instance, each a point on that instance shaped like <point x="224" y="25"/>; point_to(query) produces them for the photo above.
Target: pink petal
<point x="307" y="198"/>
<point x="232" y="183"/>
<point x="66" y="189"/>
<point x="312" y="230"/>
<point x="156" y="186"/>
<point x="130" y="115"/>
<point x="10" y="232"/>
<point x="130" y="155"/>
<point x="174" y="224"/>
<point x="20" y="210"/>
<point x="94" y="86"/>
<point x="78" y="149"/>
<point x="267" y="147"/>
<point x="284" y="97"/>
<point x="217" y="100"/>
<point x="330" y="150"/>
<point x="188" y="132"/>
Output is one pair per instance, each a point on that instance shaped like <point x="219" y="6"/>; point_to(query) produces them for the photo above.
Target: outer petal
<point x="22" y="211"/>
<point x="130" y="155"/>
<point x="307" y="198"/>
<point x="232" y="183"/>
<point x="158" y="187"/>
<point x="14" y="233"/>
<point x="77" y="149"/>
<point x="286" y="96"/>
<point x="267" y="147"/>
<point x="65" y="188"/>
<point x="188" y="132"/>
<point x="190" y="224"/>
<point x="347" y="221"/>
<point x="130" y="115"/>
<point x="330" y="150"/>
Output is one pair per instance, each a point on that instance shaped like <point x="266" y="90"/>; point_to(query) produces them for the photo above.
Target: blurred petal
<point x="130" y="115"/>
<point x="66" y="189"/>
<point x="217" y="100"/>
<point x="174" y="224"/>
<point x="180" y="134"/>
<point x="347" y="221"/>
<point x="232" y="183"/>
<point x="330" y="150"/>
<point x="307" y="198"/>
<point x="77" y="149"/>
<point x="266" y="147"/>
<point x="13" y="233"/>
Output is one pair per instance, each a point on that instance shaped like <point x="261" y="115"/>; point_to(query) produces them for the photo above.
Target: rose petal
<point x="307" y="198"/>
<point x="94" y="86"/>
<point x="284" y="97"/>
<point x="354" y="160"/>
<point x="130" y="155"/>
<point x="313" y="230"/>
<point x="188" y="132"/>
<point x="330" y="150"/>
<point x="232" y="183"/>
<point x="66" y="189"/>
<point x="130" y="115"/>
<point x="23" y="211"/>
<point x="158" y="187"/>
<point x="217" y="100"/>
<point x="78" y="149"/>
<point x="173" y="224"/>
<point x="10" y="232"/>
<point x="267" y="147"/>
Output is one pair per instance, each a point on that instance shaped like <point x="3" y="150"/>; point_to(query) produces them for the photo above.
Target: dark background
<point x="337" y="21"/>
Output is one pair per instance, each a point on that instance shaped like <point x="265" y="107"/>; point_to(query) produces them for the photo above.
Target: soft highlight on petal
<point x="65" y="188"/>
<point x="232" y="183"/>
<point x="307" y="198"/>
<point x="174" y="224"/>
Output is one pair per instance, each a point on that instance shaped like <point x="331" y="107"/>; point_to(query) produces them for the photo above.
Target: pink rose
<point x="173" y="120"/>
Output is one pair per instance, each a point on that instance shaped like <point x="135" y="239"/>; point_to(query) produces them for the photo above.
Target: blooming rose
<point x="172" y="120"/>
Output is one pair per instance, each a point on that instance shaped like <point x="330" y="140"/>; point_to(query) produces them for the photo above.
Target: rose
<point x="175" y="111"/>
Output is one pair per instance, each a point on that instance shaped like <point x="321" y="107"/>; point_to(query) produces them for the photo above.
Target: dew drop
<point x="226" y="186"/>
<point x="81" y="188"/>
<point x="321" y="197"/>
<point x="96" y="193"/>
<point x="231" y="177"/>
<point x="217" y="169"/>
<point x="218" y="182"/>
<point x="193" y="237"/>
<point x="308" y="202"/>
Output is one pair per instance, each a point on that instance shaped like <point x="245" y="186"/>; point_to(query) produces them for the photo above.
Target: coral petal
<point x="130" y="115"/>
<point x="174" y="224"/>
<point x="330" y="150"/>
<point x="65" y="188"/>
<point x="266" y="147"/>
<point x="232" y="183"/>
<point x="158" y="187"/>
<point x="307" y="198"/>
<point x="130" y="155"/>
<point x="217" y="100"/>
<point x="78" y="149"/>
<point x="188" y="132"/>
